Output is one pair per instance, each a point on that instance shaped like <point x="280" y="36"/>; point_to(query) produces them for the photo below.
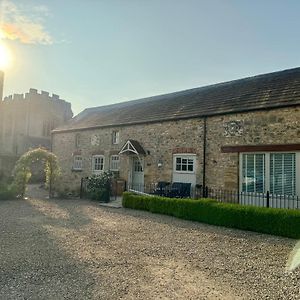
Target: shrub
<point x="7" y="192"/>
<point x="282" y="222"/>
<point x="98" y="186"/>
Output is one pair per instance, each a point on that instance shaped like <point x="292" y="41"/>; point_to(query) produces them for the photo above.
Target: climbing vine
<point x="22" y="172"/>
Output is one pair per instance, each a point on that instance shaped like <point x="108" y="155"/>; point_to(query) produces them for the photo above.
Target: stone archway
<point x="22" y="171"/>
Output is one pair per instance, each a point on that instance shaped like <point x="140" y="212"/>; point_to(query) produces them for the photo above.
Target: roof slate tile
<point x="272" y="90"/>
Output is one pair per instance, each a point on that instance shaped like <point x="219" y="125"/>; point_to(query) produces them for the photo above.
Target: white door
<point x="137" y="174"/>
<point x="184" y="168"/>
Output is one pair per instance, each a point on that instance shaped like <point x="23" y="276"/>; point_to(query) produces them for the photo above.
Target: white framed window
<point x="97" y="163"/>
<point x="115" y="137"/>
<point x="77" y="162"/>
<point x="276" y="172"/>
<point x="283" y="173"/>
<point x="184" y="163"/>
<point x="253" y="172"/>
<point x="114" y="162"/>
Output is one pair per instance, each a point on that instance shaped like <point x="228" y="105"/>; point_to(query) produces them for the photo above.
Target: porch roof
<point x="132" y="147"/>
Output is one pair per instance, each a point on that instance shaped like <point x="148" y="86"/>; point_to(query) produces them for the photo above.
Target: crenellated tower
<point x="26" y="121"/>
<point x="1" y="84"/>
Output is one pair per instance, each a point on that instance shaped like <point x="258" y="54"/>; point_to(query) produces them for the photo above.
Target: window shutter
<point x="283" y="173"/>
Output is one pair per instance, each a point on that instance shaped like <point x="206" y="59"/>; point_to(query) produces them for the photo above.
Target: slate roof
<point x="272" y="90"/>
<point x="35" y="142"/>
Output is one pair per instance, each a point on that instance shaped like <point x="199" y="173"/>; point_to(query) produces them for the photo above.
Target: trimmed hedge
<point x="282" y="222"/>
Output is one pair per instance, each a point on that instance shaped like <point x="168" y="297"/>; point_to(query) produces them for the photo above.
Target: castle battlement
<point x="33" y="94"/>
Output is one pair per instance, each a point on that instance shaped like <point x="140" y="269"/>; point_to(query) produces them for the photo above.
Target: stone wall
<point x="278" y="126"/>
<point x="161" y="140"/>
<point x="1" y="84"/>
<point x="26" y="121"/>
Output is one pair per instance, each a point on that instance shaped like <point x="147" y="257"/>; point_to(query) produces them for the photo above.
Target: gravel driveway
<point x="75" y="249"/>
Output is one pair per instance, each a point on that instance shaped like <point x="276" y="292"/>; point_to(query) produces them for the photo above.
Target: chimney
<point x="1" y="84"/>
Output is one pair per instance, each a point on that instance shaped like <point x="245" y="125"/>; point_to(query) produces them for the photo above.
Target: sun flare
<point x="5" y="57"/>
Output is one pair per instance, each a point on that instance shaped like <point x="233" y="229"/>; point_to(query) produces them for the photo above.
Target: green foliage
<point x="7" y="192"/>
<point x="98" y="186"/>
<point x="282" y="222"/>
<point x="22" y="172"/>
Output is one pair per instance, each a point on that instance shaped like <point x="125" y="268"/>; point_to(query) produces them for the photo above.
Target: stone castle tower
<point x="26" y="122"/>
<point x="1" y="84"/>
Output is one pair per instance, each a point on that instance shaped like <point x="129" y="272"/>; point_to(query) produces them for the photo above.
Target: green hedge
<point x="282" y="222"/>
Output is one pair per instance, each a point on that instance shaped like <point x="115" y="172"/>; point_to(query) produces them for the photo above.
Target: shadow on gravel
<point x="134" y="252"/>
<point x="32" y="263"/>
<point x="206" y="228"/>
<point x="69" y="216"/>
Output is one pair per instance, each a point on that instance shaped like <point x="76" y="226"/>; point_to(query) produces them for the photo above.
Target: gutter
<point x="204" y="155"/>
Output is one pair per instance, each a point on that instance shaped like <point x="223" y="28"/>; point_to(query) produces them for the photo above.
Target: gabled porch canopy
<point x="132" y="147"/>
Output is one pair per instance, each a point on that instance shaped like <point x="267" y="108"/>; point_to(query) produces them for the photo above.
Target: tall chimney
<point x="1" y="84"/>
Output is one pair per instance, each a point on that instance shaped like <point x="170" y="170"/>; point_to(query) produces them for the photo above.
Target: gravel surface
<point x="75" y="249"/>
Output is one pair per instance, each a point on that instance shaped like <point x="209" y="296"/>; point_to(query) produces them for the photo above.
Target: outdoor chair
<point x="161" y="188"/>
<point x="180" y="190"/>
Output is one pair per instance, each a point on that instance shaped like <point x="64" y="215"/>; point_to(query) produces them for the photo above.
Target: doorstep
<point x="115" y="203"/>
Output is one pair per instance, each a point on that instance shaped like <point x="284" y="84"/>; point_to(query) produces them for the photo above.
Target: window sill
<point x="76" y="170"/>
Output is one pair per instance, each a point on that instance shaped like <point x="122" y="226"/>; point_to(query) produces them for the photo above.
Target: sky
<point x="94" y="52"/>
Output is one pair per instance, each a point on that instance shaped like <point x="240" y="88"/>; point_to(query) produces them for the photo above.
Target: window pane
<point x="283" y="173"/>
<point x="98" y="163"/>
<point x="190" y="165"/>
<point x="114" y="163"/>
<point x="253" y="173"/>
<point x="259" y="173"/>
<point x="115" y="137"/>
<point x="184" y="164"/>
<point x="77" y="163"/>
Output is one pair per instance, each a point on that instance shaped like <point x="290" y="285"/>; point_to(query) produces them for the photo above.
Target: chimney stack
<point x="1" y="84"/>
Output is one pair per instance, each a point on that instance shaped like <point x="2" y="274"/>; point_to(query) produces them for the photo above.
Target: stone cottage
<point x="242" y="135"/>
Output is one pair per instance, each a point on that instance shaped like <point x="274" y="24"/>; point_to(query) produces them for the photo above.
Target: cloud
<point x="19" y="23"/>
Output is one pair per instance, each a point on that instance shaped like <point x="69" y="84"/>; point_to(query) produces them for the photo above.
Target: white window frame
<point x="114" y="162"/>
<point x="115" y="137"/>
<point x="267" y="168"/>
<point x="77" y="163"/>
<point x="188" y="156"/>
<point x="95" y="163"/>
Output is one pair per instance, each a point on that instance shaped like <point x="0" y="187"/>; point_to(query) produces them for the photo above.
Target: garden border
<point x="275" y="221"/>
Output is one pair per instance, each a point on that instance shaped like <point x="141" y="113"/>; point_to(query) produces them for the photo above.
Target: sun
<point x="5" y="57"/>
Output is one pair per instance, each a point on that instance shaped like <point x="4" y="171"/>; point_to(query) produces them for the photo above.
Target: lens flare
<point x="5" y="57"/>
<point x="294" y="258"/>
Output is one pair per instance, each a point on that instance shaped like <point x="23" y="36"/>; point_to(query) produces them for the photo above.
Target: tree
<point x="22" y="171"/>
